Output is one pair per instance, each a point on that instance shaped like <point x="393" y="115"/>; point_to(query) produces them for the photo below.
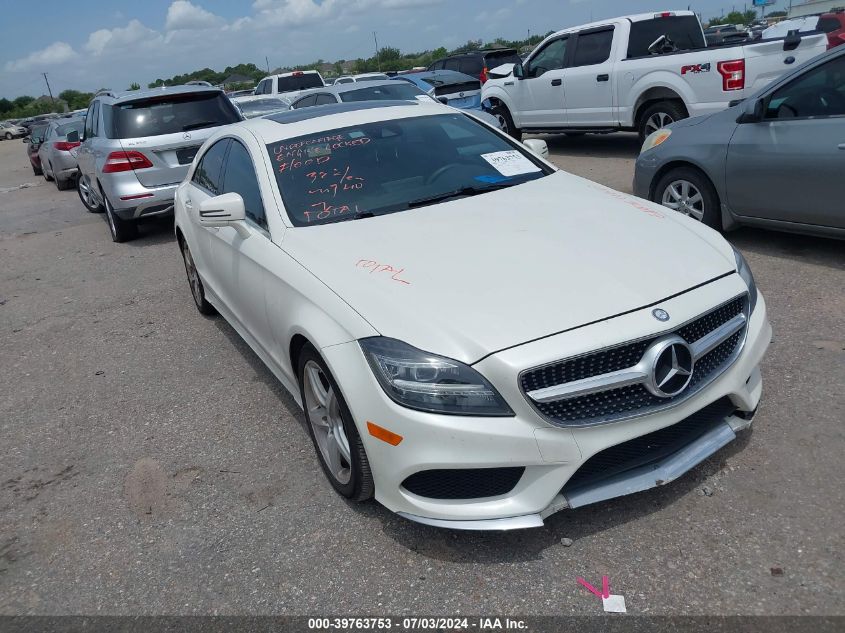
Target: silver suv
<point x="137" y="147"/>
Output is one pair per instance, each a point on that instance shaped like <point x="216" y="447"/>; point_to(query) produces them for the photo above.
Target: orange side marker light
<point x="383" y="434"/>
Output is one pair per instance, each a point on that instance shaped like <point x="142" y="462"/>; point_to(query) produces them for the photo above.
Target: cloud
<point x="56" y="53"/>
<point x="121" y="38"/>
<point x="184" y="15"/>
<point x="300" y="12"/>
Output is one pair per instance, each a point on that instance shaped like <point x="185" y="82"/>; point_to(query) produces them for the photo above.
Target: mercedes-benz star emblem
<point x="186" y="135"/>
<point x="660" y="314"/>
<point x="670" y="366"/>
<point x="461" y="95"/>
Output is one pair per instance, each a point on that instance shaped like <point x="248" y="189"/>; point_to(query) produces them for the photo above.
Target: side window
<point x="551" y="57"/>
<point x="89" y="121"/>
<point x="208" y="172"/>
<point x="471" y="66"/>
<point x="818" y="93"/>
<point x="305" y="102"/>
<point x="438" y="65"/>
<point x="593" y="48"/>
<point x="451" y="64"/>
<point x="324" y="99"/>
<point x="95" y="123"/>
<point x="240" y="178"/>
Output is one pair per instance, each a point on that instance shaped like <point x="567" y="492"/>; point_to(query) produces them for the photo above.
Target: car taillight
<point x="65" y="146"/>
<point x="835" y="40"/>
<point x="733" y="74"/>
<point x="483" y="75"/>
<point x="664" y="14"/>
<point x="124" y="161"/>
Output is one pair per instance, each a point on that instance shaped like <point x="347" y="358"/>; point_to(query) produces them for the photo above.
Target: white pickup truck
<point x="639" y="72"/>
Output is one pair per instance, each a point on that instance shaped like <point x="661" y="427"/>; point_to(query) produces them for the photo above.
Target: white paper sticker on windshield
<point x="510" y="163"/>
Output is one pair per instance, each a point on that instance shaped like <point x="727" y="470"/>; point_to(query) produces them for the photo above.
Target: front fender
<point x="658" y="79"/>
<point x="497" y="92"/>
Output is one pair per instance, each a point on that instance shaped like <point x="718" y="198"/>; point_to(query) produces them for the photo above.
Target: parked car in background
<point x="137" y="147"/>
<point x="477" y="63"/>
<point x="386" y="90"/>
<point x="774" y="161"/>
<point x="58" y="155"/>
<point x="31" y="122"/>
<point x="33" y="144"/>
<point x="289" y="84"/>
<point x="719" y="33"/>
<point x="784" y="27"/>
<point x="9" y="130"/>
<point x="348" y="79"/>
<point x="339" y="243"/>
<point x="447" y="86"/>
<point x="252" y="107"/>
<point x="240" y="93"/>
<point x="834" y="25"/>
<point x="639" y="72"/>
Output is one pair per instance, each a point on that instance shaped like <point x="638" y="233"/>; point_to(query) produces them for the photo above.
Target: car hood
<point x="476" y="275"/>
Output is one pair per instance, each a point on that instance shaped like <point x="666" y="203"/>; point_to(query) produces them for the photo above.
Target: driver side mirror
<point x="538" y="146"/>
<point x="225" y="210"/>
<point x="754" y="113"/>
<point x="518" y="71"/>
<point x="73" y="137"/>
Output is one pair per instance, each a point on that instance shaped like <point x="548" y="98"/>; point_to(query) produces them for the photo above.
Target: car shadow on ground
<point x="156" y="230"/>
<point x="615" y="145"/>
<point x="815" y="250"/>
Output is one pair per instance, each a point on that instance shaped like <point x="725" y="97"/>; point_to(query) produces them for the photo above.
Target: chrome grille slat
<point x="609" y="385"/>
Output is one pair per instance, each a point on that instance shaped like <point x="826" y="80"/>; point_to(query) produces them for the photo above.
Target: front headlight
<point x="427" y="382"/>
<point x="656" y="138"/>
<point x="744" y="271"/>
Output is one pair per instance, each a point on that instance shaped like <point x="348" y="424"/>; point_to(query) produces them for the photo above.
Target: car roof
<point x="134" y="95"/>
<point x="292" y="73"/>
<point x="337" y="89"/>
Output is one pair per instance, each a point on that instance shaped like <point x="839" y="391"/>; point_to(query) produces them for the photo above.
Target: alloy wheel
<point x="684" y="197"/>
<point x="322" y="409"/>
<point x="657" y="121"/>
<point x="86" y="193"/>
<point x="193" y="275"/>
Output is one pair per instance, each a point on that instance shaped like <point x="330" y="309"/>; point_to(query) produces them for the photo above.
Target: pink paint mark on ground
<point x="605" y="587"/>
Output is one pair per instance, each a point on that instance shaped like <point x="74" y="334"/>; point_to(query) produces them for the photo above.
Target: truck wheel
<point x="688" y="191"/>
<point x="658" y="116"/>
<point x="506" y="124"/>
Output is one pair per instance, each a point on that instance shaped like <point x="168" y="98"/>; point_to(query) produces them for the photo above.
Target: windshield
<point x="260" y="107"/>
<point x="393" y="166"/>
<point x="395" y="90"/>
<point x="171" y="114"/>
<point x="299" y="82"/>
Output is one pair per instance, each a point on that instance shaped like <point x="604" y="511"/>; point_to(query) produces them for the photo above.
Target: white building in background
<point x="814" y="7"/>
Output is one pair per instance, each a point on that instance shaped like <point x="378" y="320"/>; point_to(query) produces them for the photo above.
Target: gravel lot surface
<point x="152" y="465"/>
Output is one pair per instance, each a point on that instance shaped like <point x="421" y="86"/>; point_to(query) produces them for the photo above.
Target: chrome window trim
<point x="637" y="374"/>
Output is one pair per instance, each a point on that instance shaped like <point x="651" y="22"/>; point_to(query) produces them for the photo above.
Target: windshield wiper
<point x="360" y="215"/>
<point x="463" y="192"/>
<point x="196" y="126"/>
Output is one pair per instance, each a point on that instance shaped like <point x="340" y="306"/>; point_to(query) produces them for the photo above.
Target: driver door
<point x="541" y="96"/>
<point x="800" y="140"/>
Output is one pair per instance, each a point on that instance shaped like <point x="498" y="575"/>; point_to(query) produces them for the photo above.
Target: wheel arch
<point x="653" y="95"/>
<point x="678" y="164"/>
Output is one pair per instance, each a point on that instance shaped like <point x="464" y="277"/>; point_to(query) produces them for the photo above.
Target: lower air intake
<point x="463" y="483"/>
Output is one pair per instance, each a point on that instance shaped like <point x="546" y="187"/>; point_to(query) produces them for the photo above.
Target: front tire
<point x="688" y="191"/>
<point x="121" y="230"/>
<point x="658" y="116"/>
<point x="8" y="136"/>
<point x="197" y="289"/>
<point x="47" y="177"/>
<point x="506" y="124"/>
<point x="335" y="436"/>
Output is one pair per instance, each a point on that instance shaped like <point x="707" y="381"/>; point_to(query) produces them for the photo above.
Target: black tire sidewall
<point x="512" y="131"/>
<point x="204" y="307"/>
<point x="123" y="230"/>
<point x="353" y="489"/>
<point x="670" y="108"/>
<point x="712" y="206"/>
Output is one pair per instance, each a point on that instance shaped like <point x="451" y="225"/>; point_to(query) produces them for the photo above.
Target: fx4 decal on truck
<point x="695" y="68"/>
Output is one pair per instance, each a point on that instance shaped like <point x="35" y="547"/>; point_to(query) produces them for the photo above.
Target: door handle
<point x="603" y="78"/>
<point x="508" y="83"/>
<point x="556" y="82"/>
<point x="188" y="204"/>
<point x="842" y="146"/>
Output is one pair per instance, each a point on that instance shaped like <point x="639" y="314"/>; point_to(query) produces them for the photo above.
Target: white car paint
<point x="503" y="281"/>
<point x="581" y="101"/>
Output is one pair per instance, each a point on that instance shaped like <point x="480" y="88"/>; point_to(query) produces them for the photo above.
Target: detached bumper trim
<point x="502" y="525"/>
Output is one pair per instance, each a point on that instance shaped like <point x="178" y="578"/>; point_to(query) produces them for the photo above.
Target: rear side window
<point x="828" y="25"/>
<point x="240" y="178"/>
<point x="324" y="99"/>
<point x="451" y="64"/>
<point x="471" y="66"/>
<point x="684" y="31"/>
<point x="67" y="128"/>
<point x="207" y="174"/>
<point x="593" y="48"/>
<point x="299" y="82"/>
<point x="401" y="91"/>
<point x="305" y="102"/>
<point x="172" y="114"/>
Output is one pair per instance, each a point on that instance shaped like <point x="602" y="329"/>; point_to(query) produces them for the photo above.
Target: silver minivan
<point x="137" y="146"/>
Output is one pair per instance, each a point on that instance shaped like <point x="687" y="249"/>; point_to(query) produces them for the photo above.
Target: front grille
<point x="616" y="404"/>
<point x="464" y="483"/>
<point x="651" y="448"/>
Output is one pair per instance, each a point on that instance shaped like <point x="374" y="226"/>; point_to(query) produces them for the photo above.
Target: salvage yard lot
<point x="152" y="465"/>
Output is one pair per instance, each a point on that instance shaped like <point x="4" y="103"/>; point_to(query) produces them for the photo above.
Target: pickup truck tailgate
<point x="767" y="60"/>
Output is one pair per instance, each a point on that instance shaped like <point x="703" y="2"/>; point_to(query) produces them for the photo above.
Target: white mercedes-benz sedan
<point x="477" y="338"/>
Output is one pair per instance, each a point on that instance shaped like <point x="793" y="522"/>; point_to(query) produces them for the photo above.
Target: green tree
<point x="6" y="105"/>
<point x="134" y="86"/>
<point x="23" y="101"/>
<point x="75" y="99"/>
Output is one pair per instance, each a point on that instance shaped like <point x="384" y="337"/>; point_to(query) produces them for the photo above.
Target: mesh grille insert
<point x="463" y="483"/>
<point x="615" y="404"/>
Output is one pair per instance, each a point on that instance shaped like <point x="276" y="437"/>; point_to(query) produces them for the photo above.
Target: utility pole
<point x="378" y="55"/>
<point x="267" y="61"/>
<point x="48" y="88"/>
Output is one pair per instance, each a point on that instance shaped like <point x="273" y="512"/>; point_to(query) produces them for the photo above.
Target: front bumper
<point x="131" y="200"/>
<point x="550" y="455"/>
